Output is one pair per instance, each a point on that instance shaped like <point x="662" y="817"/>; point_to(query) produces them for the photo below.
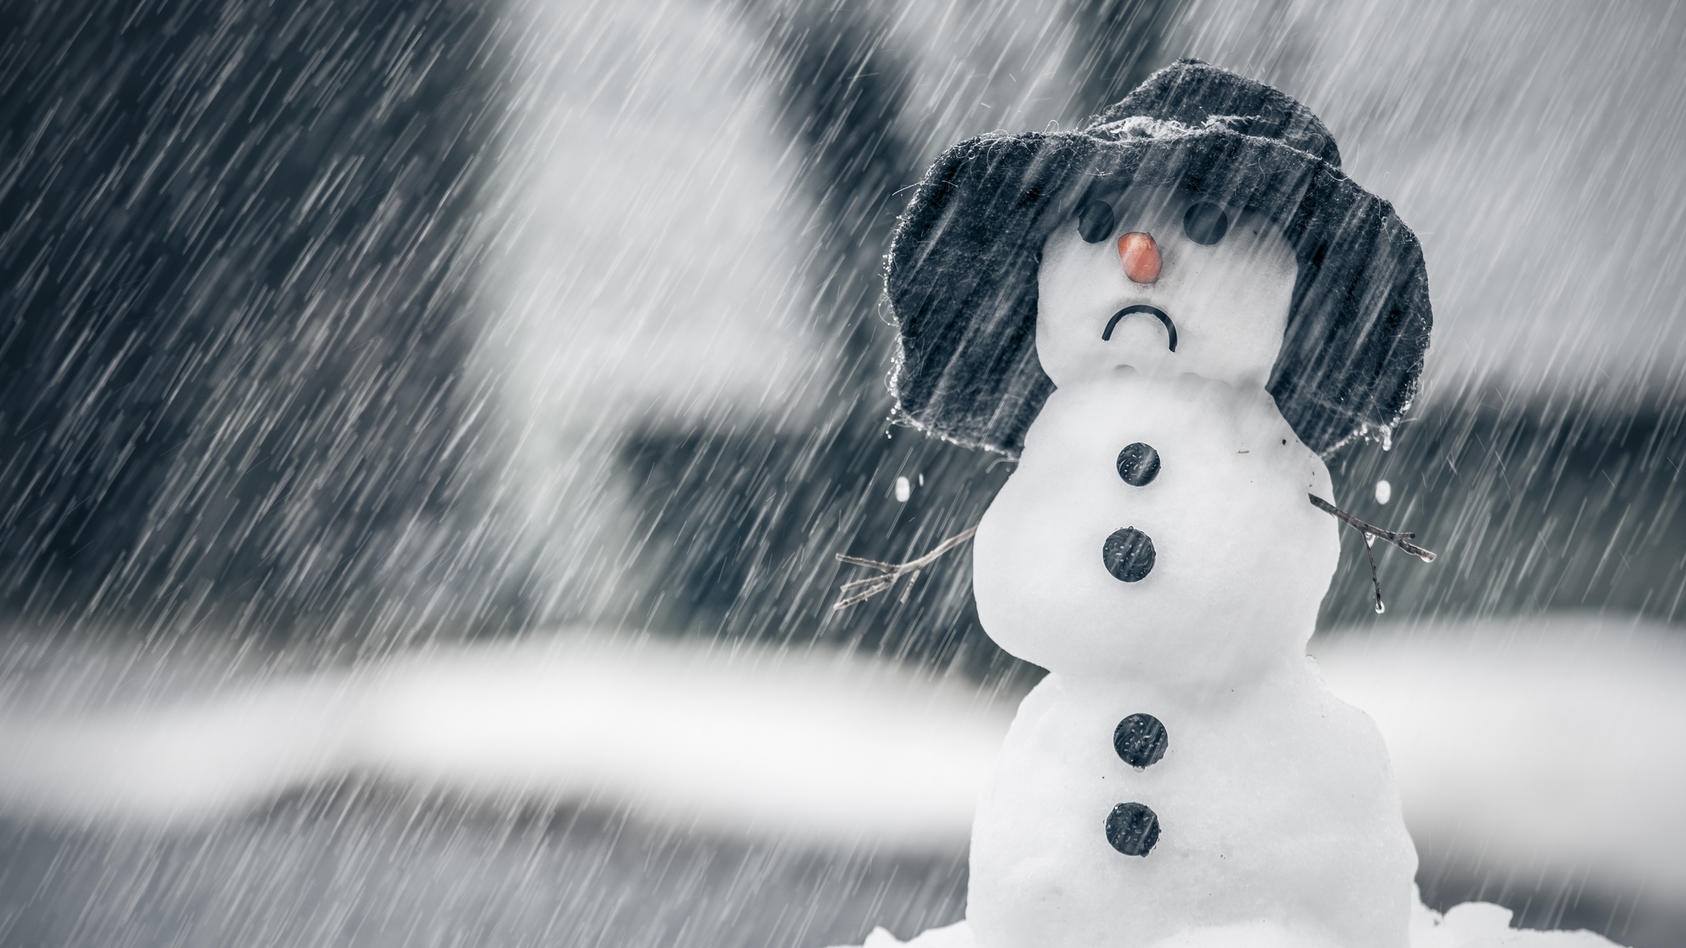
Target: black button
<point x="1128" y="554"/>
<point x="1132" y="828"/>
<point x="1138" y="464"/>
<point x="1140" y="740"/>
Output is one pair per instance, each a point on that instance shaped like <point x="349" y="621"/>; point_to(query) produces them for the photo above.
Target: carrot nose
<point x="1140" y="256"/>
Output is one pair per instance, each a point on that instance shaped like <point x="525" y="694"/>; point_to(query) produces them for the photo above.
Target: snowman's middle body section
<point x="1273" y="800"/>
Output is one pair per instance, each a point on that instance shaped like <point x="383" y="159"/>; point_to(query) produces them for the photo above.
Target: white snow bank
<point x="812" y="745"/>
<point x="808" y="744"/>
<point x="1556" y="743"/>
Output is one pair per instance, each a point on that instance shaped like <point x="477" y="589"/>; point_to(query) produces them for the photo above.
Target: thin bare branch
<point x="860" y="561"/>
<point x="1375" y="581"/>
<point x="1401" y="540"/>
<point x="860" y="590"/>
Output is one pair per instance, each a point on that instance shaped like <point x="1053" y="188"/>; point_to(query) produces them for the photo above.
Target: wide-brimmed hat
<point x="961" y="278"/>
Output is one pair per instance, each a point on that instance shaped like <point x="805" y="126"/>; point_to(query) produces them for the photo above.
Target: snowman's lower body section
<point x="1274" y="806"/>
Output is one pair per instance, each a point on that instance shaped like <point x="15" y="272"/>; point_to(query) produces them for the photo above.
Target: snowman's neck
<point x="1211" y="692"/>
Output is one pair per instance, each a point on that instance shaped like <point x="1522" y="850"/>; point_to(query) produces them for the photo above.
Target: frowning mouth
<point x="1154" y="311"/>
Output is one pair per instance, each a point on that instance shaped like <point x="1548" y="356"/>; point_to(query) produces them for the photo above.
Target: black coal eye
<point x="1094" y="221"/>
<point x="1205" y="223"/>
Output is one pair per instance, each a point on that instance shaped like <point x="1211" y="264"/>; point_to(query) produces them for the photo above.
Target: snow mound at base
<point x="1485" y="925"/>
<point x="1471" y="925"/>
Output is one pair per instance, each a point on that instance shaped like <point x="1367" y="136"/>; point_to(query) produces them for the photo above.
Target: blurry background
<point x="329" y="331"/>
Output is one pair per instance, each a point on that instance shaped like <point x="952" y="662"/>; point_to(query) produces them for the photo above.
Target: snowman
<point x="1155" y="551"/>
<point x="1168" y="318"/>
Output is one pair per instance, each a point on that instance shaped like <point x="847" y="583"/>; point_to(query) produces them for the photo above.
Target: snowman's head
<point x="1163" y="281"/>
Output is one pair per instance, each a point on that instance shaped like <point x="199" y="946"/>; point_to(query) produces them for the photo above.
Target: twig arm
<point x="1401" y="540"/>
<point x="860" y="590"/>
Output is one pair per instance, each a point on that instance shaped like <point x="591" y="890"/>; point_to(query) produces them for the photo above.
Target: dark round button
<point x="1132" y="828"/>
<point x="1138" y="464"/>
<point x="1140" y="740"/>
<point x="1128" y="554"/>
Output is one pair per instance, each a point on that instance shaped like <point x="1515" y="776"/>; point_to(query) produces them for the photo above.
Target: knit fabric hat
<point x="961" y="279"/>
